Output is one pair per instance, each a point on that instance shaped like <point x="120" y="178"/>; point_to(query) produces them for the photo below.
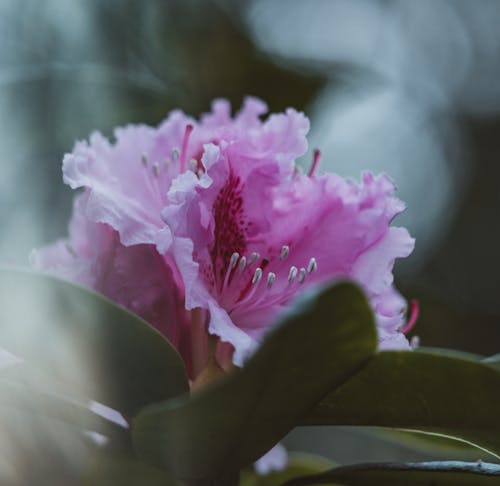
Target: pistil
<point x="315" y="162"/>
<point x="185" y="140"/>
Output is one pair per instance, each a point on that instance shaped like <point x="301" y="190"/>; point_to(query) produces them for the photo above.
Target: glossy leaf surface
<point x="323" y="341"/>
<point x="446" y="392"/>
<point x="446" y="473"/>
<point x="85" y="344"/>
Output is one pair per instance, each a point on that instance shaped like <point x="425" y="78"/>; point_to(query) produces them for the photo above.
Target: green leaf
<point x="298" y="465"/>
<point x="436" y="445"/>
<point x="22" y="399"/>
<point x="86" y="344"/>
<point x="493" y="361"/>
<point x="447" y="473"/>
<point x="108" y="468"/>
<point x="449" y="394"/>
<point x="315" y="348"/>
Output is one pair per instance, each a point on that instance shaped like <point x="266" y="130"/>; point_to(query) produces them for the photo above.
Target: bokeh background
<point x="405" y="87"/>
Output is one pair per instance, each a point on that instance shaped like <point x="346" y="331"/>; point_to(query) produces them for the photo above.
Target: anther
<point x="302" y="275"/>
<point x="271" y="277"/>
<point x="234" y="259"/>
<point x="156" y="169"/>
<point x="253" y="258"/>
<point x="292" y="273"/>
<point x="193" y="163"/>
<point x="232" y="263"/>
<point x="175" y="154"/>
<point x="144" y="159"/>
<point x="312" y="265"/>
<point x="285" y="249"/>
<point x="257" y="276"/>
<point x="242" y="264"/>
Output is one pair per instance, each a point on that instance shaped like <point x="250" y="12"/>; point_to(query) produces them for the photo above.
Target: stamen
<point x="315" y="162"/>
<point x="175" y="154"/>
<point x="242" y="264"/>
<point x="239" y="271"/>
<point x="292" y="274"/>
<point x="193" y="164"/>
<point x="284" y="252"/>
<point x="271" y="278"/>
<point x="234" y="259"/>
<point x="297" y="171"/>
<point x="312" y="265"/>
<point x="302" y="275"/>
<point x="144" y="159"/>
<point x="248" y="293"/>
<point x="232" y="263"/>
<point x="414" y="312"/>
<point x="185" y="140"/>
<point x="156" y="169"/>
<point x="257" y="276"/>
<point x="253" y="258"/>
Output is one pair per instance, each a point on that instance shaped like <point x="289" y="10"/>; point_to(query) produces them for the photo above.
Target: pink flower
<point x="136" y="277"/>
<point x="213" y="217"/>
<point x="117" y="220"/>
<point x="238" y="231"/>
<point x="128" y="181"/>
<point x="249" y="232"/>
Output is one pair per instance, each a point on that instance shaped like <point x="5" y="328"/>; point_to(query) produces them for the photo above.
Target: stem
<point x="199" y="345"/>
<point x="212" y="342"/>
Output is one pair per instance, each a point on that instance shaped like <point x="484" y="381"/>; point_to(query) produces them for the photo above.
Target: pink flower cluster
<point x="209" y="228"/>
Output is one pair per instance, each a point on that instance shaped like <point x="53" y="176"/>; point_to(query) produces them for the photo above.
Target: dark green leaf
<point x="85" y="343"/>
<point x="315" y="348"/>
<point x="447" y="473"/>
<point x="493" y="361"/>
<point x="15" y="396"/>
<point x="298" y="465"/>
<point x="124" y="470"/>
<point x="450" y="394"/>
<point x="426" y="443"/>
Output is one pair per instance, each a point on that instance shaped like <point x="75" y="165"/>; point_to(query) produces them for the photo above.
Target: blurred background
<point x="397" y="86"/>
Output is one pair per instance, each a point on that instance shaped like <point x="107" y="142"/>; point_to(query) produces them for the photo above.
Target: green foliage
<point x="298" y="465"/>
<point x="319" y="366"/>
<point x="320" y="343"/>
<point x="441" y="392"/>
<point x="446" y="473"/>
<point x="125" y="470"/>
<point x="85" y="345"/>
<point x="18" y="398"/>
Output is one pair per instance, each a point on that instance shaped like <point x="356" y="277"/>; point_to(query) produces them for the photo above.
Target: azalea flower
<point x="125" y="188"/>
<point x="238" y="230"/>
<point x="128" y="181"/>
<point x="208" y="230"/>
<point x="249" y="233"/>
<point x="136" y="277"/>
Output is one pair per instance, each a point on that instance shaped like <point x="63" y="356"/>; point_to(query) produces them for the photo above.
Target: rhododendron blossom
<point x="250" y="233"/>
<point x="136" y="277"/>
<point x="215" y="218"/>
